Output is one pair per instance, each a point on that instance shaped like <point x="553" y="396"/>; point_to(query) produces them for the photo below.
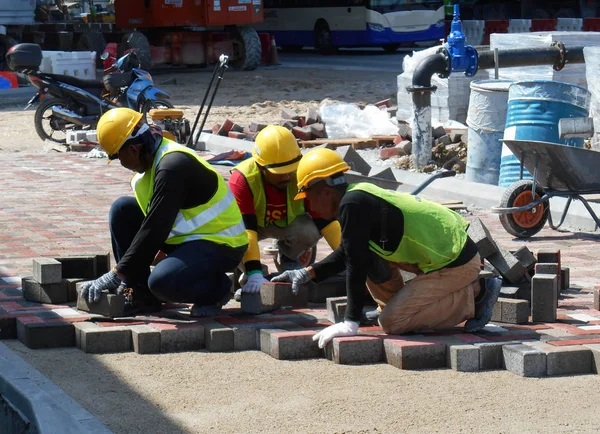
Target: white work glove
<point x="297" y="277"/>
<point x="107" y="282"/>
<point x="253" y="283"/>
<point x="346" y="328"/>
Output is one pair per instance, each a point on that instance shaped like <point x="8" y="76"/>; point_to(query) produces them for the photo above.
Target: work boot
<point x="370" y="317"/>
<point x="287" y="263"/>
<point x="238" y="295"/>
<point x="203" y="311"/>
<point x="485" y="305"/>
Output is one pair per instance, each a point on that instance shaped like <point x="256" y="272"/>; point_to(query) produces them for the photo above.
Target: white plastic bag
<point x="343" y="120"/>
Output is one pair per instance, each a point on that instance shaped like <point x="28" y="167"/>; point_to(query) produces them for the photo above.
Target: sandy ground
<point x="250" y="392"/>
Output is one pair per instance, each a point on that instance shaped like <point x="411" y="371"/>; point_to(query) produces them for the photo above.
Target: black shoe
<point x="203" y="311"/>
<point x="140" y="300"/>
<point x="370" y="317"/>
<point x="484" y="307"/>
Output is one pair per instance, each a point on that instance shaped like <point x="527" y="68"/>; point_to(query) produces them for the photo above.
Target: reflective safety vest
<point x="219" y="220"/>
<point x="434" y="235"/>
<point x="249" y="169"/>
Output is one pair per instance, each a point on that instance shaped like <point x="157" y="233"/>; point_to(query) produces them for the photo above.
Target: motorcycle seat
<point x="78" y="82"/>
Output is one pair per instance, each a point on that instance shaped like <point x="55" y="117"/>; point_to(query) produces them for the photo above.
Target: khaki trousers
<point x="302" y="234"/>
<point x="436" y="300"/>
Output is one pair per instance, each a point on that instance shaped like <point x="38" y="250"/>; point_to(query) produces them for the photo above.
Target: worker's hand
<point x="107" y="282"/>
<point x="253" y="283"/>
<point x="346" y="328"/>
<point x="297" y="277"/>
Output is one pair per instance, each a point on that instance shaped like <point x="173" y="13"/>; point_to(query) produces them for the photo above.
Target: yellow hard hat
<point x="276" y="150"/>
<point x="316" y="165"/>
<point x="115" y="127"/>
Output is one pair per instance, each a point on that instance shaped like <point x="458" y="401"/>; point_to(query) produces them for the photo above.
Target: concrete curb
<point x="16" y="96"/>
<point x="43" y="403"/>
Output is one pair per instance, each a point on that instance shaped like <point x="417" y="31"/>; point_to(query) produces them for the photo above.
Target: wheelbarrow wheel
<point x="527" y="223"/>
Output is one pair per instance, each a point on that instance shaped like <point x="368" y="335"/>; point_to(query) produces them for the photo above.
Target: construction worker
<point x="182" y="207"/>
<point x="264" y="187"/>
<point x="402" y="232"/>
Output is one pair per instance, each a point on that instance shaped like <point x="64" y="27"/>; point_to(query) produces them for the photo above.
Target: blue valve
<point x="463" y="58"/>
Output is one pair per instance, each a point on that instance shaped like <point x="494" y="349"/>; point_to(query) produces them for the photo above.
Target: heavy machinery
<point x="176" y="32"/>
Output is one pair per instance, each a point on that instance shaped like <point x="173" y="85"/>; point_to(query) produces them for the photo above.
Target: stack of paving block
<point x="531" y="286"/>
<point x="54" y="280"/>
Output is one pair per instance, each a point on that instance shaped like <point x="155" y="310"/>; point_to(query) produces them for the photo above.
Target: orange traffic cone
<point x="274" y="57"/>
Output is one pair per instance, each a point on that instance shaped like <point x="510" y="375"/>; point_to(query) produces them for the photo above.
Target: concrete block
<point x="565" y="278"/>
<point x="318" y="130"/>
<point x="72" y="288"/>
<point x="245" y="339"/>
<point x="111" y="305"/>
<point x="36" y="333"/>
<point x="30" y="289"/>
<point x="102" y="264"/>
<point x="549" y="268"/>
<point x="463" y="358"/>
<point x="145" y="339"/>
<point x="265" y="338"/>
<point x="524" y="360"/>
<point x="543" y="298"/>
<point x="303" y="133"/>
<point x="438" y="132"/>
<point x="294" y="345"/>
<point x="334" y="286"/>
<point x="596" y="299"/>
<point x="49" y="293"/>
<point x="525" y="257"/>
<point x="83" y="267"/>
<point x="273" y="296"/>
<point x="287" y="113"/>
<point x="312" y="116"/>
<point x="410" y="354"/>
<point x="95" y="339"/>
<point x="514" y="311"/>
<point x="217" y="337"/>
<point x="570" y="361"/>
<point x="378" y="172"/>
<point x="595" y="352"/>
<point x="509" y="291"/>
<point x="336" y="308"/>
<point x="180" y="337"/>
<point x="490" y="355"/>
<point x="507" y="265"/>
<point x="8" y="328"/>
<point x="551" y="256"/>
<point x="353" y="159"/>
<point x="497" y="312"/>
<point x="355" y="350"/>
<point x="47" y="270"/>
<point x="481" y="236"/>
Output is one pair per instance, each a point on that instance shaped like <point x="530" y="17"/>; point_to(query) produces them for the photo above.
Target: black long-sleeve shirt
<point x="179" y="183"/>
<point x="360" y="217"/>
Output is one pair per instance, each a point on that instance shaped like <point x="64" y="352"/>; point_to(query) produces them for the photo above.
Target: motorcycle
<point x="77" y="104"/>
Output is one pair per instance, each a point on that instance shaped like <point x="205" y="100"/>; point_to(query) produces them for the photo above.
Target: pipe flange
<point x="444" y="52"/>
<point x="562" y="56"/>
<point x="423" y="89"/>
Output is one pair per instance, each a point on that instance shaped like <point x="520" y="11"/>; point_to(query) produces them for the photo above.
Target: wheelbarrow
<point x="558" y="171"/>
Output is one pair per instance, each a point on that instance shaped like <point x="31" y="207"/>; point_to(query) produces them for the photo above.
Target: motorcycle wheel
<point x="153" y="104"/>
<point x="47" y="125"/>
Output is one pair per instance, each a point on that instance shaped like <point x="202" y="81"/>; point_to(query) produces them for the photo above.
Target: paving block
<point x="217" y="337"/>
<point x="549" y="268"/>
<point x="35" y="333"/>
<point x="334" y="286"/>
<point x="287" y="113"/>
<point x="273" y="296"/>
<point x="565" y="360"/>
<point x="565" y="278"/>
<point x="490" y="355"/>
<point x="245" y="339"/>
<point x="294" y="345"/>
<point x="47" y="270"/>
<point x="336" y="308"/>
<point x="180" y="336"/>
<point x="513" y="311"/>
<point x="95" y="339"/>
<point x="543" y="298"/>
<point x="72" y="288"/>
<point x="312" y="116"/>
<point x="102" y="264"/>
<point x="509" y="291"/>
<point x="378" y="172"/>
<point x="145" y="339"/>
<point x="497" y="312"/>
<point x="83" y="267"/>
<point x="111" y="305"/>
<point x="30" y="289"/>
<point x="481" y="236"/>
<point x="596" y="299"/>
<point x="265" y="338"/>
<point x="524" y="360"/>
<point x="49" y="293"/>
<point x="507" y="265"/>
<point x="463" y="358"/>
<point x="595" y="351"/>
<point x="410" y="354"/>
<point x="355" y="350"/>
<point x="353" y="159"/>
<point x="8" y="328"/>
<point x="551" y="256"/>
<point x="526" y="257"/>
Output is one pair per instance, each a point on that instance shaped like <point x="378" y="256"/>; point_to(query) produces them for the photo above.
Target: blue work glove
<point x="346" y="328"/>
<point x="107" y="282"/>
<point x="297" y="277"/>
<point x="253" y="283"/>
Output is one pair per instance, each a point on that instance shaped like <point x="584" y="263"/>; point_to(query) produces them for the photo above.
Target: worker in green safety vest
<point x="384" y="232"/>
<point x="182" y="208"/>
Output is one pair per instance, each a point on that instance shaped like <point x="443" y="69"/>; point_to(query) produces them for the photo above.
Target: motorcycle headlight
<point x="376" y="27"/>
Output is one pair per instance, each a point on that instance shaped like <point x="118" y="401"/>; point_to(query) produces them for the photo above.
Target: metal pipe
<point x="556" y="56"/>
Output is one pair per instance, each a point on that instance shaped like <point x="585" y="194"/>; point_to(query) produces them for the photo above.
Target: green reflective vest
<point x="433" y="237"/>
<point x="219" y="220"/>
<point x="251" y="173"/>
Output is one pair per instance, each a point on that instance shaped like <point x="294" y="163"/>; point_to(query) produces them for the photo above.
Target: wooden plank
<point x="354" y="142"/>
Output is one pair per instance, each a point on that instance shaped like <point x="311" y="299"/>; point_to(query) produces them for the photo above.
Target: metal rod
<point x="496" y="64"/>
<point x="535" y="171"/>
<point x="529" y="57"/>
<point x="222" y="68"/>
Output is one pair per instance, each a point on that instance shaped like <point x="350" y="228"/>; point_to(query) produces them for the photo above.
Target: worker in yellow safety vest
<point x="264" y="187"/>
<point x="401" y="232"/>
<point x="182" y="207"/>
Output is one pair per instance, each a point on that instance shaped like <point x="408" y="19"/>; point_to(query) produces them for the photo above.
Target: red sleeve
<point x="241" y="190"/>
<point x="309" y="210"/>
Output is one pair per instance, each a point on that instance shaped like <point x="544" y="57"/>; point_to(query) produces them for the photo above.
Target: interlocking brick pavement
<point x="56" y="205"/>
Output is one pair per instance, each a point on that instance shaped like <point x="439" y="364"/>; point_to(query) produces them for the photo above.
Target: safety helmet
<point x="276" y="150"/>
<point x="115" y="128"/>
<point x="317" y="165"/>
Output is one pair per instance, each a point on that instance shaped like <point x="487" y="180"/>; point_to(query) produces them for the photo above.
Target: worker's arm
<point x="329" y="229"/>
<point x="176" y="186"/>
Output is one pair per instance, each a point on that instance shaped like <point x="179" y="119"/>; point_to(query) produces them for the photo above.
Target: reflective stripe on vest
<point x="219" y="220"/>
<point x="433" y="235"/>
<point x="249" y="169"/>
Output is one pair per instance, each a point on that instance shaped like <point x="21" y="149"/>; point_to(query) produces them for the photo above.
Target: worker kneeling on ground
<point x="182" y="207"/>
<point x="264" y="187"/>
<point x="384" y="232"/>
